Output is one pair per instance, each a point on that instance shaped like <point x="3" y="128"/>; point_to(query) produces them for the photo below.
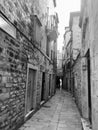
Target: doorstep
<point x="49" y="97"/>
<point x="85" y="124"/>
<point x="42" y="102"/>
<point x="29" y="115"/>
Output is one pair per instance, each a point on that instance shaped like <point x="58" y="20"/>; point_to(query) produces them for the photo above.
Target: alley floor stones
<point x="59" y="113"/>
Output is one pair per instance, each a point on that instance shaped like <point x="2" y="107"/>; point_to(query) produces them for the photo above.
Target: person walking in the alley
<point x="60" y="84"/>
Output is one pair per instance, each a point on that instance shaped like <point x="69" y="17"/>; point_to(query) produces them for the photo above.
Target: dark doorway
<point x="73" y="88"/>
<point x="49" y="84"/>
<point x="30" y="99"/>
<point x="66" y="84"/>
<point x="89" y="86"/>
<point x="43" y="86"/>
<point x="58" y="82"/>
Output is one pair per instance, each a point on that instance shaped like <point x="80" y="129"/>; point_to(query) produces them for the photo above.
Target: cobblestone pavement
<point x="59" y="113"/>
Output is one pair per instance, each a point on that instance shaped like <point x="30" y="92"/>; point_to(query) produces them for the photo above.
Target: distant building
<point x="59" y="63"/>
<point x="83" y="63"/>
<point x="67" y="49"/>
<point x="76" y="33"/>
<point x="71" y="49"/>
<point x="76" y="58"/>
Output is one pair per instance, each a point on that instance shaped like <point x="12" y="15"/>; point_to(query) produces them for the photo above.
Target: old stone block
<point x="7" y="127"/>
<point x="2" y="85"/>
<point x="3" y="117"/>
<point x="9" y="85"/>
<point x="4" y="96"/>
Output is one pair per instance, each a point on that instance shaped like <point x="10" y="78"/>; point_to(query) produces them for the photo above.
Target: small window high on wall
<point x="7" y="27"/>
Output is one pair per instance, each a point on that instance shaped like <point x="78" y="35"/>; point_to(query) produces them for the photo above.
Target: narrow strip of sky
<point x="64" y="7"/>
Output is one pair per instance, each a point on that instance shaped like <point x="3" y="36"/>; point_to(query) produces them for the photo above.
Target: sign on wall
<point x="7" y="27"/>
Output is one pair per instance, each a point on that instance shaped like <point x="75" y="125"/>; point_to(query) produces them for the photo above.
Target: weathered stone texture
<point x="76" y="36"/>
<point x="77" y="83"/>
<point x="94" y="43"/>
<point x="90" y="13"/>
<point x="15" y="54"/>
<point x="21" y="14"/>
<point x="12" y="82"/>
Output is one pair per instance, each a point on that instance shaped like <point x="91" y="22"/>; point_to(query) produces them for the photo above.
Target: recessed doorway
<point x="43" y="86"/>
<point x="31" y="85"/>
<point x="89" y="86"/>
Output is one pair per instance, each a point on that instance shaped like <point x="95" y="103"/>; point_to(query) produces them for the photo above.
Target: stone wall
<point x="13" y="66"/>
<point x="13" y="74"/>
<point x="90" y="41"/>
<point x="77" y="82"/>
<point x="21" y="13"/>
<point x="76" y="33"/>
<point x="76" y="56"/>
<point x="93" y="41"/>
<point x="15" y="54"/>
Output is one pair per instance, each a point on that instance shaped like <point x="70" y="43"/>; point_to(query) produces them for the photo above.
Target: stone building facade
<point x="76" y="88"/>
<point x="67" y="49"/>
<point x="72" y="58"/>
<point x="76" y="57"/>
<point x="27" y="72"/>
<point x="76" y="33"/>
<point x="85" y="66"/>
<point x="89" y="25"/>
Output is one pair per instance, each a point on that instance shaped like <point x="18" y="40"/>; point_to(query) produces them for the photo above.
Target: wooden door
<point x="30" y="91"/>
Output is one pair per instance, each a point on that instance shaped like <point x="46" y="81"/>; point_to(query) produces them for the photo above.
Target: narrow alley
<point x="59" y="113"/>
<point x="48" y="65"/>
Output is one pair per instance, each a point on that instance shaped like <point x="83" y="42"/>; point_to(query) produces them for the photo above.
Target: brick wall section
<point x="21" y="12"/>
<point x="13" y="66"/>
<point x="14" y="60"/>
<point x="13" y="73"/>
